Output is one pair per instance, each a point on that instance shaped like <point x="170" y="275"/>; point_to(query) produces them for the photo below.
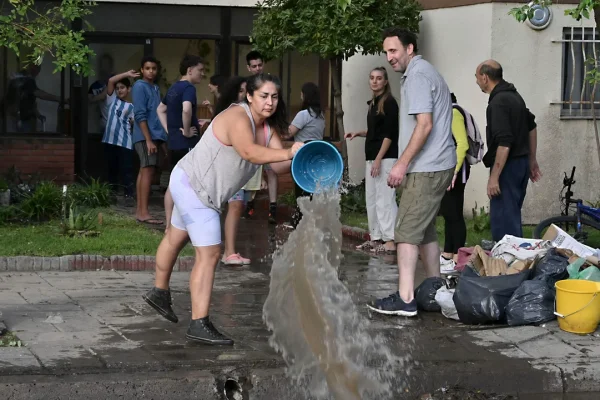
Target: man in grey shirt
<point x="424" y="169"/>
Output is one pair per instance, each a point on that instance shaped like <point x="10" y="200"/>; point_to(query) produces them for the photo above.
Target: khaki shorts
<point x="420" y="199"/>
<point x="147" y="160"/>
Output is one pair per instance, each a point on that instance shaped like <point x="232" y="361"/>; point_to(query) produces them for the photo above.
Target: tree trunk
<point x="339" y="111"/>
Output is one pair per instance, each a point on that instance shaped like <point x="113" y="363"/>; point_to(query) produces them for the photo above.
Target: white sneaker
<point x="446" y="266"/>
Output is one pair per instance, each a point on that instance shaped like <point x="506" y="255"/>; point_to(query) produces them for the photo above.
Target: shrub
<point x="3" y="185"/>
<point x="481" y="220"/>
<point x="79" y="222"/>
<point x="288" y="198"/>
<point x="94" y="194"/>
<point x="8" y="214"/>
<point x="354" y="200"/>
<point x="42" y="204"/>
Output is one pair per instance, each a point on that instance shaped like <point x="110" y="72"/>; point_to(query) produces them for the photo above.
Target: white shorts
<point x="202" y="224"/>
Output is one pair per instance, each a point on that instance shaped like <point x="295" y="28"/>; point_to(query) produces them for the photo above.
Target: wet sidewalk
<point x="90" y="335"/>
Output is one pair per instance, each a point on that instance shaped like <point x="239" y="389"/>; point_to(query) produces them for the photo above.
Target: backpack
<point x="476" y="145"/>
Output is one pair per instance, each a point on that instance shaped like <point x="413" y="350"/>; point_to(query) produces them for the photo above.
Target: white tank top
<point x="215" y="170"/>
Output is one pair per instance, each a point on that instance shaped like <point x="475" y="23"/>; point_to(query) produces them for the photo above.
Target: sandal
<point x="366" y="245"/>
<point x="381" y="249"/>
<point x="150" y="221"/>
<point x="235" y="259"/>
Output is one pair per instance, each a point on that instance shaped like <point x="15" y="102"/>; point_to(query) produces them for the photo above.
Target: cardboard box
<point x="563" y="240"/>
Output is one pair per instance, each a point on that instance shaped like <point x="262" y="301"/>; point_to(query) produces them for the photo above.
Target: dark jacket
<point x="509" y="122"/>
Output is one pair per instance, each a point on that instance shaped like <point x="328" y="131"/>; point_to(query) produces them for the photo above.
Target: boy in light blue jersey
<point x="118" y="143"/>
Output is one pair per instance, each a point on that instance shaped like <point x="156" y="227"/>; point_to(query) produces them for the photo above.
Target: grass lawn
<point x="119" y="235"/>
<point x="473" y="237"/>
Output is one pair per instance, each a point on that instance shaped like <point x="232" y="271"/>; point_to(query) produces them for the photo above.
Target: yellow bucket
<point x="577" y="305"/>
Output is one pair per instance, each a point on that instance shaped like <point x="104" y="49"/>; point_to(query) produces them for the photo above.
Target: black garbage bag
<point x="425" y="294"/>
<point x="552" y="267"/>
<point x="532" y="303"/>
<point x="483" y="299"/>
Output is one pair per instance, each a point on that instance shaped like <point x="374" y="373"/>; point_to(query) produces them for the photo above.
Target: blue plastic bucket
<point x="317" y="162"/>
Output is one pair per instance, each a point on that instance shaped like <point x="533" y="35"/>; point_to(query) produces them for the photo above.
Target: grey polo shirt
<point x="425" y="91"/>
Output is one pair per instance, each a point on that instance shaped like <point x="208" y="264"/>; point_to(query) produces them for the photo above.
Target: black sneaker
<point x="202" y="330"/>
<point x="394" y="305"/>
<point x="160" y="300"/>
<point x="273" y="213"/>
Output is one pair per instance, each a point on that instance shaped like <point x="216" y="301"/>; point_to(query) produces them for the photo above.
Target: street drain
<point x="233" y="390"/>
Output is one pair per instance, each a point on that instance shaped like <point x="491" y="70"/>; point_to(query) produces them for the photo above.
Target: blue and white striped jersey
<point x="118" y="125"/>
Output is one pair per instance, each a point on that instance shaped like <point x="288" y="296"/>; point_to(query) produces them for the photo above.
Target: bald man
<point x="511" y="156"/>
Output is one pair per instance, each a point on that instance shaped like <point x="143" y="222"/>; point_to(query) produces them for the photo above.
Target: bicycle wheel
<point x="568" y="223"/>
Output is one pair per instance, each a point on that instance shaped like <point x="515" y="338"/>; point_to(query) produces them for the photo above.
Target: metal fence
<point x="581" y="49"/>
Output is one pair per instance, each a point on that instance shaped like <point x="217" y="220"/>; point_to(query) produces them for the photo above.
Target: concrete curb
<point x="84" y="262"/>
<point x="355" y="233"/>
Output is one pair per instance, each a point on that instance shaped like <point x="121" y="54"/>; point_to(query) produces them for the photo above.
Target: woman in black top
<point x="381" y="151"/>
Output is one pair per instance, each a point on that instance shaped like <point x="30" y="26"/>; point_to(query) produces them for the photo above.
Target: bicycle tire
<point x="571" y="219"/>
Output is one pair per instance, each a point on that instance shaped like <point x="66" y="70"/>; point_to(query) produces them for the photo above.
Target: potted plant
<point x="4" y="193"/>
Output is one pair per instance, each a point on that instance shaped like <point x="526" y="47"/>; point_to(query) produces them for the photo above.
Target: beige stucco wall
<point x="456" y="40"/>
<point x="355" y="94"/>
<point x="534" y="64"/>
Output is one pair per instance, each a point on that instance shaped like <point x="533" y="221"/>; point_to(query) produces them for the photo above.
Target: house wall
<point x="534" y="64"/>
<point x="51" y="157"/>
<point x="456" y="40"/>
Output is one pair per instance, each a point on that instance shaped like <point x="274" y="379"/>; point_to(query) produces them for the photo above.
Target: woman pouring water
<point x="235" y="144"/>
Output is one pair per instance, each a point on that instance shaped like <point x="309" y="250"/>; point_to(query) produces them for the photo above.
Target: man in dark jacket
<point x="512" y="143"/>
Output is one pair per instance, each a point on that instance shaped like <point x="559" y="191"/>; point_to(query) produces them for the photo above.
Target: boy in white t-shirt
<point x="117" y="139"/>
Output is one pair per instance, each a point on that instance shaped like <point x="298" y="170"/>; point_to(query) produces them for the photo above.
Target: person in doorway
<point x="424" y="169"/>
<point x="214" y="86"/>
<point x="97" y="92"/>
<point x="148" y="135"/>
<point x="233" y="92"/>
<point x="308" y="125"/>
<point x="117" y="139"/>
<point x="381" y="152"/>
<point x="177" y="115"/>
<point x="453" y="202"/>
<point x="512" y="145"/>
<point x="227" y="156"/>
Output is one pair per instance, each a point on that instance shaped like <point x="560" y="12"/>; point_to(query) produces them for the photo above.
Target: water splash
<point x="316" y="327"/>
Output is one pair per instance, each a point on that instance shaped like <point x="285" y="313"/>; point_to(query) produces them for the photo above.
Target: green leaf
<point x="34" y="31"/>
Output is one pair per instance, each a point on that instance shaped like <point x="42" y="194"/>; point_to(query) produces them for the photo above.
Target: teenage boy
<point x="148" y="134"/>
<point x="117" y="134"/>
<point x="177" y="114"/>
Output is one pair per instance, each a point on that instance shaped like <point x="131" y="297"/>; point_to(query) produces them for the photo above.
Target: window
<point x="170" y="52"/>
<point x="581" y="51"/>
<point x="33" y="98"/>
<point x="109" y="59"/>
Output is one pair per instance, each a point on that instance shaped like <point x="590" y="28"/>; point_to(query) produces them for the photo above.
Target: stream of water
<point x="315" y="325"/>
